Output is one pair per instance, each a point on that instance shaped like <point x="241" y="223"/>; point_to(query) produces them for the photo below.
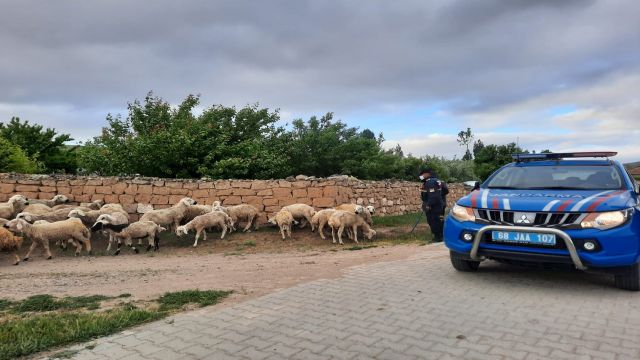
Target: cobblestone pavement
<point x="414" y="309"/>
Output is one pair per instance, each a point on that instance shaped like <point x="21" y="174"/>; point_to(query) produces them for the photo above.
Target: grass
<point x="398" y="220"/>
<point x="176" y="300"/>
<point x="249" y="243"/>
<point x="43" y="322"/>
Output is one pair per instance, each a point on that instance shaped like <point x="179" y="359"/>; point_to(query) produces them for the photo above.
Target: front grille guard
<point x="573" y="253"/>
<point x="565" y="220"/>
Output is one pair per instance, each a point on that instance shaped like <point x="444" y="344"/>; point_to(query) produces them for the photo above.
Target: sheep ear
<point x="19" y="226"/>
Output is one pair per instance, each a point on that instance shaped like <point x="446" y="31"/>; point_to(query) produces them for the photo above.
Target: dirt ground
<point x="251" y="264"/>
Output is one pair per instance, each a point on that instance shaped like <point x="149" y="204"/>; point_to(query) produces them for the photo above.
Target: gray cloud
<point x="90" y="57"/>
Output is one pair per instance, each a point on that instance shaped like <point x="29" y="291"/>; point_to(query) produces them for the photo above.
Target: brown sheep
<point x="344" y="219"/>
<point x="284" y="220"/>
<point x="10" y="243"/>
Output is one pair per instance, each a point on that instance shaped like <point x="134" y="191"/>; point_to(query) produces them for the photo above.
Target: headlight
<point x="462" y="213"/>
<point x="606" y="220"/>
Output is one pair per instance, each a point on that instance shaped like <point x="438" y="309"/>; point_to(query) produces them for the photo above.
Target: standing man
<point x="433" y="202"/>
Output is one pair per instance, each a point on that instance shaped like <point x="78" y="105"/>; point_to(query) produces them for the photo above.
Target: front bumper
<point x="618" y="247"/>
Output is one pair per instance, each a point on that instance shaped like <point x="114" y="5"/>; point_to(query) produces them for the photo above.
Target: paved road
<point x="414" y="309"/>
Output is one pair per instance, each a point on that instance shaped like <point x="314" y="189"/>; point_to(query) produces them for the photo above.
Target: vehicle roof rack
<point x="558" y="156"/>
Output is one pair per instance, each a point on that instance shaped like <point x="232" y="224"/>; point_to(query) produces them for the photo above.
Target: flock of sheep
<point x="56" y="220"/>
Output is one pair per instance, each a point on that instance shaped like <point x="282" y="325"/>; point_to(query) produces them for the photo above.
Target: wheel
<point x="629" y="280"/>
<point x="462" y="264"/>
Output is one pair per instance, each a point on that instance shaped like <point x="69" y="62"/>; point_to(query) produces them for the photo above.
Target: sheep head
<point x="187" y="201"/>
<point x="272" y="221"/>
<point x="370" y="234"/>
<point x="16" y="225"/>
<point x="359" y="209"/>
<point x="76" y="213"/>
<point x="182" y="230"/>
<point x="371" y="209"/>
<point x="216" y="203"/>
<point x="60" y="199"/>
<point x="18" y="199"/>
<point x="161" y="229"/>
<point x="26" y="216"/>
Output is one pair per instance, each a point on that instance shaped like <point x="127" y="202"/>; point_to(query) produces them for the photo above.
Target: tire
<point x="629" y="280"/>
<point x="462" y="264"/>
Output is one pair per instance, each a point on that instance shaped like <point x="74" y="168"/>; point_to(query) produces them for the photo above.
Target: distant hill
<point x="632" y="165"/>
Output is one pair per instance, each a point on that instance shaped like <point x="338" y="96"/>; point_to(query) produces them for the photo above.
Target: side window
<point x="633" y="181"/>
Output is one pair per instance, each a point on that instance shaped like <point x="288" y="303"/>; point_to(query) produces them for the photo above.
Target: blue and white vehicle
<point x="552" y="209"/>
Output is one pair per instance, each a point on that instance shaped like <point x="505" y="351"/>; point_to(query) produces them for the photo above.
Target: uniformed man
<point x="433" y="202"/>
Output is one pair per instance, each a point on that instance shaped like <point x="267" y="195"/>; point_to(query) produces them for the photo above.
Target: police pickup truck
<point x="561" y="209"/>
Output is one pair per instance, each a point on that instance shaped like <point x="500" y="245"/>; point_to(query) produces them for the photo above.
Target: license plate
<point x="524" y="238"/>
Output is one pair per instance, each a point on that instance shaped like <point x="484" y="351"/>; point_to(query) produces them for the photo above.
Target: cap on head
<point x="425" y="171"/>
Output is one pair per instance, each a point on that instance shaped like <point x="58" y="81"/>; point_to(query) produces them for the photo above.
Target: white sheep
<point x="202" y="222"/>
<point x="43" y="233"/>
<point x="50" y="216"/>
<point x="243" y="212"/>
<point x="170" y="216"/>
<point x="56" y="200"/>
<point x="118" y="220"/>
<point x="344" y="219"/>
<point x="139" y="230"/>
<point x="37" y="209"/>
<point x="284" y="220"/>
<point x="11" y="208"/>
<point x="320" y="219"/>
<point x="302" y="213"/>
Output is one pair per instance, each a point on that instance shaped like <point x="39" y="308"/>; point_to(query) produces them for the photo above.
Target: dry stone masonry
<point x="139" y="195"/>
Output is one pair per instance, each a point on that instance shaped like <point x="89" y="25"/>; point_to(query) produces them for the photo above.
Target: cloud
<point x="497" y="66"/>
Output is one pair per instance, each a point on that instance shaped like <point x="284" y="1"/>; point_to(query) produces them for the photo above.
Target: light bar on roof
<point x="547" y="156"/>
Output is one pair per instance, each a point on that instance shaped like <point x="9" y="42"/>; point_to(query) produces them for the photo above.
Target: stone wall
<point x="136" y="194"/>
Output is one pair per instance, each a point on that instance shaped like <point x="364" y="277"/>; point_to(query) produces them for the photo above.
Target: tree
<point x="45" y="145"/>
<point x="158" y="140"/>
<point x="465" y="138"/>
<point x="14" y="159"/>
<point x="490" y="158"/>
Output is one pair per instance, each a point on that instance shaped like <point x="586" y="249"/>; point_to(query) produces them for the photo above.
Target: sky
<point x="559" y="75"/>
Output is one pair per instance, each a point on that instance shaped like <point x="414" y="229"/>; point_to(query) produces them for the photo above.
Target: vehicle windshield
<point x="575" y="177"/>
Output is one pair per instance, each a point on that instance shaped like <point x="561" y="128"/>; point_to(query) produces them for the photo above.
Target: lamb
<point x="357" y="209"/>
<point x="320" y="219"/>
<point x="94" y="205"/>
<point x="118" y="220"/>
<point x="43" y="233"/>
<point x="11" y="208"/>
<point x="10" y="243"/>
<point x="56" y="200"/>
<point x="343" y="219"/>
<point x="242" y="212"/>
<point x="302" y="212"/>
<point x="202" y="222"/>
<point x="169" y="216"/>
<point x="139" y="230"/>
<point x="284" y="220"/>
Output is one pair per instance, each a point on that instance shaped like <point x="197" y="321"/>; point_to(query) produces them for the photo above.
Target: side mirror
<point x="471" y="185"/>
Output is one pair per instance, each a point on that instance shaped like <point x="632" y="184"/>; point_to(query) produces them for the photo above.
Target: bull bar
<point x="573" y="253"/>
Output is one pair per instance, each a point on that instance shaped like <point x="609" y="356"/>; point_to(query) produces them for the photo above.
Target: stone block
<point x="190" y="185"/>
<point x="265" y="192"/>
<point x="205" y="185"/>
<point x="119" y="188"/>
<point x="159" y="199"/>
<point x="103" y="189"/>
<point x="259" y="185"/>
<point x="132" y="189"/>
<point x="243" y="192"/>
<point x="324" y="202"/>
<point x="111" y="199"/>
<point x="281" y="193"/>
<point x="160" y="190"/>
<point x="7" y="188"/>
<point x="126" y="199"/>
<point x="145" y="189"/>
<point x="330" y="191"/>
<point x="173" y="184"/>
<point x="232" y="200"/>
<point x="46" y="195"/>
<point x="94" y="182"/>
<point x="222" y="184"/>
<point x="26" y="188"/>
<point x="241" y="184"/>
<point x="143" y="198"/>
<point x="299" y="193"/>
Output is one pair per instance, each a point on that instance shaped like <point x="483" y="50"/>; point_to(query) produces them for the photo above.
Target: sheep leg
<point x="248" y="227"/>
<point x="282" y="232"/>
<point x="15" y="254"/>
<point x="303" y="223"/>
<point x="333" y="234"/>
<point x="321" y="229"/>
<point x="197" y="236"/>
<point x="111" y="239"/>
<point x="224" y="231"/>
<point x="340" y="231"/>
<point x="31" y="248"/>
<point x="46" y="249"/>
<point x="78" y="245"/>
<point x="355" y="233"/>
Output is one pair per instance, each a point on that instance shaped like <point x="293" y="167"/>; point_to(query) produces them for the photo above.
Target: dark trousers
<point x="435" y="220"/>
